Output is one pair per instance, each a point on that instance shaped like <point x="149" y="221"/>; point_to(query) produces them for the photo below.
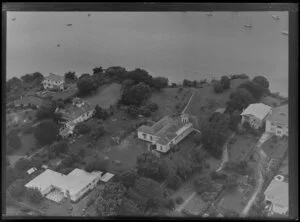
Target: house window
<point x="279" y="127"/>
<point x="150" y="137"/>
<point x="144" y="134"/>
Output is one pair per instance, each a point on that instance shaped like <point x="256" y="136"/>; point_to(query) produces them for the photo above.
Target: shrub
<point x="153" y="107"/>
<point x="179" y="200"/>
<point x="170" y="204"/>
<point x="34" y="195"/>
<point x="90" y="202"/>
<point x="180" y="90"/>
<point x="218" y="87"/>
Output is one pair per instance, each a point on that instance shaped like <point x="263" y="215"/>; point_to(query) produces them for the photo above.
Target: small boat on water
<point x="58" y="45"/>
<point x="89" y="14"/>
<point x="14" y="19"/>
<point x="248" y="25"/>
<point x="209" y="14"/>
<point x="285" y="33"/>
<point x="69" y="24"/>
<point x="276" y="17"/>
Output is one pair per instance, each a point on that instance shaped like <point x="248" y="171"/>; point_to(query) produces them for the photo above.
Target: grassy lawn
<point x="167" y="99"/>
<point x="232" y="202"/>
<point x="106" y="95"/>
<point x="63" y="95"/>
<point x="22" y="116"/>
<point x="241" y="147"/>
<point x="284" y="169"/>
<point x="30" y="99"/>
<point x="275" y="149"/>
<point x="206" y="96"/>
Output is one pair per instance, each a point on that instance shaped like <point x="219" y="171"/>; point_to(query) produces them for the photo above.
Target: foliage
<point x="184" y="167"/>
<point x="116" y="73"/>
<point x="160" y="82"/>
<point x="261" y="80"/>
<point x="97" y="165"/>
<point x="34" y="195"/>
<point x="97" y="70"/>
<point x="218" y="87"/>
<point x="12" y="83"/>
<point x="187" y="83"/>
<point x="136" y="94"/>
<point x="180" y="89"/>
<point x="139" y="199"/>
<point x="46" y="111"/>
<point x="179" y="200"/>
<point x="59" y="147"/>
<point x="36" y="77"/>
<point x="218" y="176"/>
<point x="145" y="111"/>
<point x="110" y="199"/>
<point x="203" y="184"/>
<point x="46" y="132"/>
<point x="17" y="188"/>
<point x="231" y="182"/>
<point x="148" y="165"/>
<point x="129" y="208"/>
<point x="23" y="164"/>
<point x="133" y="111"/>
<point x="239" y="76"/>
<point x="197" y="139"/>
<point x="153" y="107"/>
<point x="101" y="113"/>
<point x="225" y="81"/>
<point x="97" y="132"/>
<point x="128" y="178"/>
<point x="173" y="85"/>
<point x="70" y="160"/>
<point x="90" y="202"/>
<point x="13" y="140"/>
<point x="156" y="197"/>
<point x="86" y="84"/>
<point x="82" y="128"/>
<point x="140" y="75"/>
<point x="235" y="119"/>
<point x="70" y="76"/>
<point x="11" y="175"/>
<point x="239" y="100"/>
<point x="255" y="89"/>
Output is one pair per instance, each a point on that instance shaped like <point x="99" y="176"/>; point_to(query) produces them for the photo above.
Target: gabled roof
<point x="72" y="112"/>
<point x="258" y="110"/>
<point x="54" y="77"/>
<point x="278" y="193"/>
<point x="280" y="115"/>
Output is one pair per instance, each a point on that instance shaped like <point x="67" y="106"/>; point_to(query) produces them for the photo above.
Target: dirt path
<point x="225" y="156"/>
<point x="183" y="111"/>
<point x="179" y="208"/>
<point x="259" y="169"/>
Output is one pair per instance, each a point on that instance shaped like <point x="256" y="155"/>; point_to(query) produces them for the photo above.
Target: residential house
<point x="77" y="112"/>
<point x="255" y="114"/>
<point x="167" y="132"/>
<point x="56" y="186"/>
<point x="220" y="110"/>
<point x="277" y="121"/>
<point x="277" y="197"/>
<point x="54" y="82"/>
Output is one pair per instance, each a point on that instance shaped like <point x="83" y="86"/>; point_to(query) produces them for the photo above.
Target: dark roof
<point x="280" y="115"/>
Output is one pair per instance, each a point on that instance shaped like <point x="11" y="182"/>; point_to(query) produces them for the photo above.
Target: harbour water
<point x="177" y="45"/>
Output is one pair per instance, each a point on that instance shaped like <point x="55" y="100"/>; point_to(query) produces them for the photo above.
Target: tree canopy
<point x="86" y="84"/>
<point x="239" y="100"/>
<point x="46" y="132"/>
<point x="225" y="81"/>
<point x="140" y="75"/>
<point x="34" y="195"/>
<point x="101" y="113"/>
<point x="136" y="94"/>
<point x="148" y="165"/>
<point x="160" y="82"/>
<point x="13" y="141"/>
<point x="218" y="87"/>
<point x="262" y="81"/>
<point x="17" y="188"/>
<point x="71" y="76"/>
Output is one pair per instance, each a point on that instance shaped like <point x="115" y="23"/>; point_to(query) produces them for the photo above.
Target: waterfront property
<point x="75" y="113"/>
<point x="56" y="186"/>
<point x="255" y="114"/>
<point x="167" y="132"/>
<point x="277" y="121"/>
<point x="276" y="196"/>
<point x="54" y="82"/>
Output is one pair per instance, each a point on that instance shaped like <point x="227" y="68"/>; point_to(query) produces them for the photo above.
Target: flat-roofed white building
<point x="56" y="186"/>
<point x="277" y="121"/>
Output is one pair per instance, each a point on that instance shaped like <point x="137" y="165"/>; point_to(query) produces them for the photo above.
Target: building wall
<point x="147" y="137"/>
<point x="182" y="135"/>
<point x="48" y="84"/>
<point x="276" y="208"/>
<point x="253" y="121"/>
<point x="162" y="148"/>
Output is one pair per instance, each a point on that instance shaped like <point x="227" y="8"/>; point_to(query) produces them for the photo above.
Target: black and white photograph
<point x="146" y="114"/>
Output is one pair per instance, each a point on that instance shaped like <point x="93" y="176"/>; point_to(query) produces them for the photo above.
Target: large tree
<point x="70" y="76"/>
<point x="17" y="188"/>
<point x="148" y="165"/>
<point x="59" y="147"/>
<point x="160" y="82"/>
<point x="129" y="208"/>
<point x="34" y="195"/>
<point x="13" y="140"/>
<point x="101" y="113"/>
<point x="218" y="87"/>
<point x="140" y="75"/>
<point x="116" y="73"/>
<point x="240" y="99"/>
<point x="136" y="94"/>
<point x="97" y="165"/>
<point x="46" y="110"/>
<point x="261" y="80"/>
<point x="86" y="84"/>
<point x="97" y="70"/>
<point x="110" y="199"/>
<point x="46" y="132"/>
<point x="128" y="178"/>
<point x="255" y="89"/>
<point x="225" y="81"/>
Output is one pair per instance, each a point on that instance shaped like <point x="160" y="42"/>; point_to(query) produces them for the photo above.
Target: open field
<point x="167" y="99"/>
<point x="206" y="101"/>
<point x="106" y="95"/>
<point x="232" y="202"/>
<point x="275" y="149"/>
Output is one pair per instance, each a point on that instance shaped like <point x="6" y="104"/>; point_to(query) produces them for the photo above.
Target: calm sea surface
<point x="173" y="44"/>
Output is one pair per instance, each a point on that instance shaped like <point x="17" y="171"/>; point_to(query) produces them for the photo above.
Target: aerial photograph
<point x="147" y="114"/>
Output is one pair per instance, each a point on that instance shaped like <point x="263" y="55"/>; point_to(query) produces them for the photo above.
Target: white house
<point x="167" y="132"/>
<point x="54" y="82"/>
<point x="56" y="186"/>
<point x="255" y="114"/>
<point x="277" y="121"/>
<point x="277" y="196"/>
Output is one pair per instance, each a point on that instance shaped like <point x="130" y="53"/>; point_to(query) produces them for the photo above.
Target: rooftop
<point x="278" y="193"/>
<point x="220" y="110"/>
<point x="258" y="110"/>
<point x="72" y="111"/>
<point x="166" y="128"/>
<point x="54" y="77"/>
<point x="74" y="181"/>
<point x="280" y="115"/>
